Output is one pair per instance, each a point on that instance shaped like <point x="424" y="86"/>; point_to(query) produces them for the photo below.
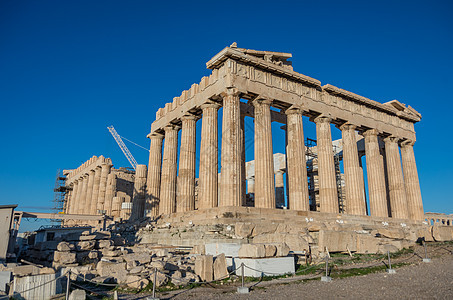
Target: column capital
<point x="407" y="143"/>
<point x="155" y="135"/>
<point x="171" y="127"/>
<point x="294" y="109"/>
<point x="391" y="139"/>
<point x="210" y="104"/>
<point x="370" y="132"/>
<point x="261" y="100"/>
<point x="230" y="92"/>
<point x="322" y="119"/>
<point x="347" y="126"/>
<point x="189" y="116"/>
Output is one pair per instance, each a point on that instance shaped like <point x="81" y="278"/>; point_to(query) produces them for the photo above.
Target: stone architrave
<point x="328" y="193"/>
<point x="413" y="193"/>
<point x="138" y="200"/>
<point x="231" y="179"/>
<point x="167" y="203"/>
<point x="297" y="183"/>
<point x="185" y="198"/>
<point x="208" y="182"/>
<point x="105" y="171"/>
<point x="354" y="184"/>
<point x="264" y="158"/>
<point x="95" y="192"/>
<point x="375" y="174"/>
<point x="398" y="199"/>
<point x="110" y="193"/>
<point x="83" y="196"/>
<point x="89" y="193"/>
<point x="154" y="173"/>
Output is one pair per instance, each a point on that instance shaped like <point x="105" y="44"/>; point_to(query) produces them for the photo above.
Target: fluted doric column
<point x="264" y="157"/>
<point x="328" y="193"/>
<point x="95" y="192"/>
<point x="375" y="174"/>
<point x="296" y="161"/>
<point x="231" y="178"/>
<point x="185" y="198"/>
<point x="89" y="193"/>
<point x="279" y="189"/>
<point x="169" y="171"/>
<point x="110" y="193"/>
<point x="72" y="200"/>
<point x="398" y="199"/>
<point x="78" y="198"/>
<point x="353" y="175"/>
<point x="208" y="172"/>
<point x="154" y="175"/>
<point x="83" y="196"/>
<point x="105" y="170"/>
<point x="138" y="199"/>
<point x="413" y="193"/>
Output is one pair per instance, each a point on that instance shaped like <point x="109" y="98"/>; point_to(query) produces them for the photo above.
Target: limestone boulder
<point x="141" y="258"/>
<point x="391" y="233"/>
<point x="296" y="242"/>
<point x="159" y="279"/>
<point x="426" y="234"/>
<point x="102" y="244"/>
<point x="270" y="250"/>
<point x="163" y="252"/>
<point x="244" y="230"/>
<point x="442" y="233"/>
<point x="220" y="267"/>
<point x="282" y="249"/>
<point x="136" y="282"/>
<point x="65" y="247"/>
<point x="77" y="295"/>
<point x="111" y="253"/>
<point x="159" y="265"/>
<point x="85" y="245"/>
<point x="252" y="251"/>
<point x="64" y="257"/>
<point x="392" y="248"/>
<point x="105" y="268"/>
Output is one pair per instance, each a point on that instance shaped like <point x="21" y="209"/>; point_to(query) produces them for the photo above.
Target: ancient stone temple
<point x="263" y="85"/>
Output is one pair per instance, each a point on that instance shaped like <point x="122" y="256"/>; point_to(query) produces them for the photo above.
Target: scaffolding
<point x="60" y="195"/>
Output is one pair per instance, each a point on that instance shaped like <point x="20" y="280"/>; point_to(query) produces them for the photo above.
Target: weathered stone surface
<point x="388" y="247"/>
<point x="159" y="265"/>
<point x="391" y="233"/>
<point x="65" y="246"/>
<point x="161" y="279"/>
<point x="136" y="282"/>
<point x="220" y="267"/>
<point x="161" y="252"/>
<point x="337" y="241"/>
<point x="85" y="245"/>
<point x="111" y="253"/>
<point x="204" y="267"/>
<point x="282" y="249"/>
<point x="367" y="244"/>
<point x="25" y="270"/>
<point x="198" y="249"/>
<point x="442" y="233"/>
<point x="142" y="257"/>
<point x="252" y="251"/>
<point x="265" y="266"/>
<point x="110" y="268"/>
<point x="229" y="249"/>
<point x="271" y="250"/>
<point x="264" y="228"/>
<point x="101" y="244"/>
<point x="77" y="295"/>
<point x="64" y="257"/>
<point x="426" y="233"/>
<point x="244" y="230"/>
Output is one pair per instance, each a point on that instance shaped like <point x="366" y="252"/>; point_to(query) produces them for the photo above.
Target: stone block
<point x="337" y="241"/>
<point x="136" y="282"/>
<point x="442" y="233"/>
<point x="252" y="251"/>
<point x="367" y="244"/>
<point x="425" y="233"/>
<point x="295" y="242"/>
<point x="264" y="228"/>
<point x="391" y="233"/>
<point x="85" y="245"/>
<point x="229" y="249"/>
<point x="25" y="270"/>
<point x="5" y="278"/>
<point x="271" y="250"/>
<point x="64" y="257"/>
<point x="160" y="279"/>
<point x="105" y="268"/>
<point x="220" y="267"/>
<point x="272" y="266"/>
<point x="101" y="244"/>
<point x="65" y="247"/>
<point x="158" y="264"/>
<point x="204" y="267"/>
<point x="244" y="230"/>
<point x="141" y="258"/>
<point x="77" y="295"/>
<point x="198" y="249"/>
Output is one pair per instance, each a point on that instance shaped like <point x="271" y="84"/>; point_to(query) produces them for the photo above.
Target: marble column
<point x="95" y="192"/>
<point x="78" y="198"/>
<point x="83" y="196"/>
<point x="297" y="182"/>
<point x="89" y="193"/>
<point x="67" y="201"/>
<point x="353" y="175"/>
<point x="138" y="199"/>
<point x="413" y="193"/>
<point x="185" y="198"/>
<point x="375" y="174"/>
<point x="264" y="157"/>
<point x="72" y="200"/>
<point x="154" y="173"/>
<point x="231" y="179"/>
<point x="279" y="189"/>
<point x="110" y="193"/>
<point x="208" y="170"/>
<point x="105" y="171"/>
<point x="328" y="193"/>
<point x="398" y="199"/>
<point x="169" y="171"/>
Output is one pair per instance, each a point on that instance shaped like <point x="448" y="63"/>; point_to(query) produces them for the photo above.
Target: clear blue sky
<point x="68" y="69"/>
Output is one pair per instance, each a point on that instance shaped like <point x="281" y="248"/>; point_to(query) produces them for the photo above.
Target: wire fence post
<point x="242" y="289"/>
<point x="426" y="259"/>
<point x="326" y="278"/>
<point x="390" y="270"/>
<point x="68" y="284"/>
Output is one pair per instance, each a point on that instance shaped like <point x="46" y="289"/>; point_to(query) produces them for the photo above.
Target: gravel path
<point x="420" y="281"/>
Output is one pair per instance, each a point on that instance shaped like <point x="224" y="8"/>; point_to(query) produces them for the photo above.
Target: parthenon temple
<point x="264" y="86"/>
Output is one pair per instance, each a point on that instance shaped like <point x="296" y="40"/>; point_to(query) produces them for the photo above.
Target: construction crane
<point x="123" y="147"/>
